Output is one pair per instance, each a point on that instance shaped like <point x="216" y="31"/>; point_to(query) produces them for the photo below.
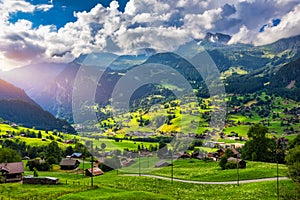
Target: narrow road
<point x="209" y="183"/>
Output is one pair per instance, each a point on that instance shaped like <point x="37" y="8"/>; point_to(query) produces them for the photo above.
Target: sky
<point x="34" y="31"/>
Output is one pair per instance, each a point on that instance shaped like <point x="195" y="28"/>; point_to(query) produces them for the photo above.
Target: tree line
<point x="41" y="157"/>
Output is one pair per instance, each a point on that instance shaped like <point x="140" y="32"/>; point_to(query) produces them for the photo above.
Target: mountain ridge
<point x="17" y="107"/>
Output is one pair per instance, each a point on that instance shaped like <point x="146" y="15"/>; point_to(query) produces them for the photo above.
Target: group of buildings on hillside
<point x="12" y="172"/>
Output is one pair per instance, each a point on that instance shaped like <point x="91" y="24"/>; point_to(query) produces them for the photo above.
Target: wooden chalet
<point x="11" y="172"/>
<point x="221" y="151"/>
<point x="69" y="164"/>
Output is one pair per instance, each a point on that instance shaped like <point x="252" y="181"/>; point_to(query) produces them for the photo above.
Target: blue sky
<point x="34" y="31"/>
<point x="62" y="11"/>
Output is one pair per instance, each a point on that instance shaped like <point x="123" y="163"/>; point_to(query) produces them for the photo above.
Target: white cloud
<point x="20" y="43"/>
<point x="135" y="7"/>
<point x="159" y="24"/>
<point x="44" y="7"/>
<point x="288" y="27"/>
<point x="8" y="7"/>
<point x="243" y="36"/>
<point x="197" y="24"/>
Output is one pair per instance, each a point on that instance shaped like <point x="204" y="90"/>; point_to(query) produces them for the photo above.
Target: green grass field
<point x="206" y="171"/>
<point x="113" y="186"/>
<point x="113" y="145"/>
<point x="7" y="129"/>
<point x="210" y="171"/>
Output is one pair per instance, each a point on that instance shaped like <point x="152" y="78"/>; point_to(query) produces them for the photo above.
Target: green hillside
<point x="286" y="81"/>
<point x="277" y="113"/>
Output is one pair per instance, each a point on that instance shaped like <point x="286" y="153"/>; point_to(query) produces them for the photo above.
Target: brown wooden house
<point x="69" y="164"/>
<point x="221" y="152"/>
<point x="11" y="172"/>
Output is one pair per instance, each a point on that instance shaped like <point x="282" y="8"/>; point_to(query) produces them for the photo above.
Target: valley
<point x="159" y="135"/>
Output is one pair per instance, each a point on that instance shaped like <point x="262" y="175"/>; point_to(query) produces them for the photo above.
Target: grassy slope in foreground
<point x="111" y="186"/>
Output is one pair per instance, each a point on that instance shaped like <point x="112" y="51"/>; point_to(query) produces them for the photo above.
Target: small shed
<point x="242" y="163"/>
<point x="162" y="163"/>
<point x="40" y="180"/>
<point x="69" y="164"/>
<point x="12" y="172"/>
<point x="96" y="171"/>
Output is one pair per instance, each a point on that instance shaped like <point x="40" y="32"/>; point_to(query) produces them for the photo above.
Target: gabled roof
<point x="76" y="155"/>
<point x="162" y="163"/>
<point x="12" y="168"/>
<point x="68" y="162"/>
<point x="235" y="152"/>
<point x="95" y="171"/>
<point x="232" y="159"/>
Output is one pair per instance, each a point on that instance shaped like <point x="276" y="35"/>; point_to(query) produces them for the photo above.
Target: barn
<point x="69" y="164"/>
<point x="11" y="172"/>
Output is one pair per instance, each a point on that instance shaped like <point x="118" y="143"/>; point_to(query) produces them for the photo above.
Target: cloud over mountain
<point x="158" y="24"/>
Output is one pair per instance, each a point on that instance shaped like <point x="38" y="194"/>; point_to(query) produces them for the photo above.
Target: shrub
<point x="39" y="164"/>
<point x="35" y="172"/>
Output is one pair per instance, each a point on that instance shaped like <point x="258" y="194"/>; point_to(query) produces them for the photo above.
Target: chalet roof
<point x="235" y="152"/>
<point x="95" y="171"/>
<point x="12" y="168"/>
<point x="77" y="155"/>
<point x="221" y="150"/>
<point x="162" y="163"/>
<point x="232" y="159"/>
<point x="47" y="177"/>
<point x="40" y="180"/>
<point x="127" y="162"/>
<point x="68" y="162"/>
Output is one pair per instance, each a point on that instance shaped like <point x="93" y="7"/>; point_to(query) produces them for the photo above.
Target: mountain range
<point x="51" y="85"/>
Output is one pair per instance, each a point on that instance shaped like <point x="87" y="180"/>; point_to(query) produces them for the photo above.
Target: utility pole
<point x="277" y="158"/>
<point x="83" y="164"/>
<point x="277" y="181"/>
<point x="172" y="170"/>
<point x="92" y="165"/>
<point x="148" y="162"/>
<point x="139" y="164"/>
<point x="237" y="170"/>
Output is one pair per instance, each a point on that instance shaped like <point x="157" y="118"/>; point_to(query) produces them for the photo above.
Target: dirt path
<point x="209" y="183"/>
